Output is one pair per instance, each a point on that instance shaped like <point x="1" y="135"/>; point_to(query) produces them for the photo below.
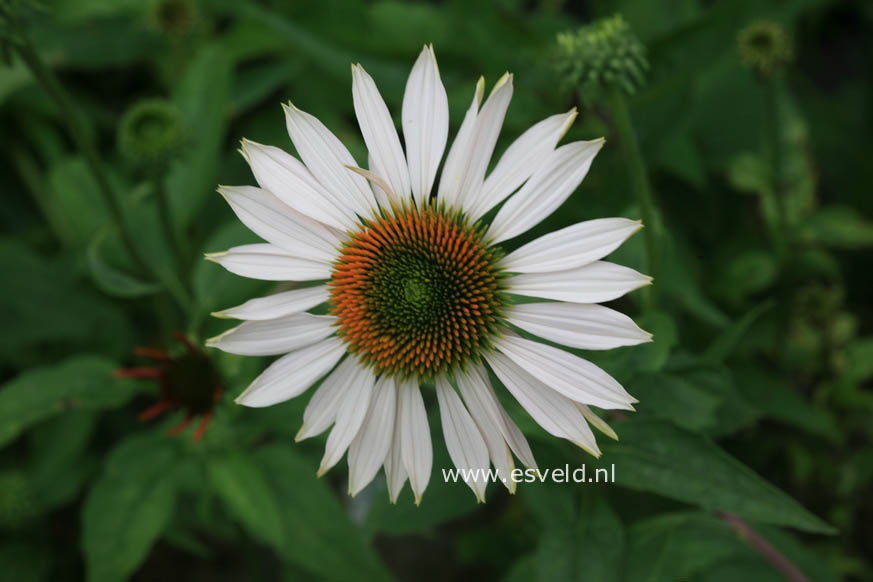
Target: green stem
<point x="774" y="137"/>
<point x="639" y="182"/>
<point x="82" y="136"/>
<point x="166" y="220"/>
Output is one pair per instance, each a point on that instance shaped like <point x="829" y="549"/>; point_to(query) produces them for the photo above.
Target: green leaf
<point x="730" y="338"/>
<point x="662" y="458"/>
<point x="129" y="506"/>
<point x="112" y="280"/>
<point x="76" y="198"/>
<point x="677" y="546"/>
<point x="600" y="539"/>
<point x="840" y="227"/>
<point x="83" y="382"/>
<point x="203" y="98"/>
<point x="60" y="463"/>
<point x="317" y="534"/>
<point x="27" y="561"/>
<point x="243" y="487"/>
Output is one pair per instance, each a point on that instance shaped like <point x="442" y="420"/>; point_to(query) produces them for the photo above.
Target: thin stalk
<point x="777" y="162"/>
<point x="640" y="184"/>
<point x="166" y="219"/>
<point x="769" y="552"/>
<point x="81" y="135"/>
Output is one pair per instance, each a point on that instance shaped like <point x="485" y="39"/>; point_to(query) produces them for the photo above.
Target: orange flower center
<point x="417" y="291"/>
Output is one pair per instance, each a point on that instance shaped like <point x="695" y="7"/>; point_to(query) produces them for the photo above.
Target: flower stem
<point x="166" y="219"/>
<point x="83" y="138"/>
<point x="774" y="137"/>
<point x="639" y="181"/>
<point x="769" y="552"/>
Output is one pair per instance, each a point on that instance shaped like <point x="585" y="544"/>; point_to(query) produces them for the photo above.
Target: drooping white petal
<point x="575" y="378"/>
<point x="292" y="374"/>
<point x="486" y="409"/>
<point x="596" y="421"/>
<point x="548" y="188"/>
<point x="370" y="447"/>
<point x="425" y="123"/>
<point x="278" y="304"/>
<point x="553" y="411"/>
<point x="269" y="263"/>
<point x="395" y="471"/>
<point x="327" y="158"/>
<point x="358" y="388"/>
<point x="466" y="446"/>
<point x="379" y="133"/>
<point x="279" y="224"/>
<point x="592" y="283"/>
<point x="417" y="451"/>
<point x="463" y="179"/>
<point x="274" y="336"/>
<point x="321" y="409"/>
<point x="520" y="160"/>
<point x="288" y="179"/>
<point x="457" y="160"/>
<point x="571" y="247"/>
<point x="578" y="325"/>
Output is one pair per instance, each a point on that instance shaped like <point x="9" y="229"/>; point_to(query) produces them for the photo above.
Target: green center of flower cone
<point x="417" y="292"/>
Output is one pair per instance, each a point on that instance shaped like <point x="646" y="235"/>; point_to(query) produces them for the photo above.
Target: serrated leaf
<point x="129" y="506"/>
<point x="83" y="382"/>
<point x="662" y="458"/>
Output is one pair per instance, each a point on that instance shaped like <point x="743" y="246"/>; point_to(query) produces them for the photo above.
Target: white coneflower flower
<point x="418" y="290"/>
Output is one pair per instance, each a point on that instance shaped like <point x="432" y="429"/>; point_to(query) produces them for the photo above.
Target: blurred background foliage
<point x="754" y="398"/>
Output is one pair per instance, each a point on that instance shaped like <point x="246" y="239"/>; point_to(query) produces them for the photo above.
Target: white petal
<point x="571" y="247"/>
<point x="358" y="387"/>
<point x="546" y="190"/>
<point x="327" y="158"/>
<point x="417" y="451"/>
<point x="520" y="160"/>
<point x="463" y="182"/>
<point x="575" y="378"/>
<point x="578" y="325"/>
<point x="269" y="263"/>
<point x="593" y="283"/>
<point x="368" y="451"/>
<point x="395" y="472"/>
<point x="379" y="193"/>
<point x="488" y="412"/>
<point x="322" y="407"/>
<point x="379" y="133"/>
<point x="596" y="421"/>
<point x="556" y="413"/>
<point x="279" y="224"/>
<point x="458" y="158"/>
<point x="466" y="446"/>
<point x="288" y="179"/>
<point x="278" y="304"/>
<point x="425" y="123"/>
<point x="274" y="336"/>
<point x="292" y="374"/>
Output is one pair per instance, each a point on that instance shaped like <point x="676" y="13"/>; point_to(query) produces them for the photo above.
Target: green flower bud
<point x="600" y="56"/>
<point x="765" y="47"/>
<point x="151" y="134"/>
<point x="18" y="504"/>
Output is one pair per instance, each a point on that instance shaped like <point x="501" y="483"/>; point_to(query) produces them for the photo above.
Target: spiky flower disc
<point x="417" y="291"/>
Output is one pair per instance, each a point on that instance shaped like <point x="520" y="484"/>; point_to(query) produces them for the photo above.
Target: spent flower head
<point x="419" y="294"/>
<point x="600" y="56"/>
<point x="765" y="46"/>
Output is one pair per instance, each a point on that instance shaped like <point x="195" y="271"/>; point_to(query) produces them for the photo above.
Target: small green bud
<point x="151" y="134"/>
<point x="599" y="56"/>
<point x="765" y="47"/>
<point x="18" y="504"/>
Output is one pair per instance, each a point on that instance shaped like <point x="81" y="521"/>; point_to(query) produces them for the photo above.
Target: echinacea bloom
<point x="418" y="290"/>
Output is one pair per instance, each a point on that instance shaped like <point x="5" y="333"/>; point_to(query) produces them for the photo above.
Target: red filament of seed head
<point x="468" y="313"/>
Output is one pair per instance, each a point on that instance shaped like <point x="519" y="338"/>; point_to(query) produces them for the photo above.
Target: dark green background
<point x="754" y="400"/>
